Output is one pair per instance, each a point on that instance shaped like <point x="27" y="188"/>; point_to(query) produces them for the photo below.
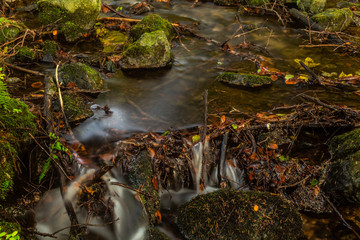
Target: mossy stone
<point x="49" y="49"/>
<point x="345" y="144"/>
<point x="82" y="75"/>
<point x="72" y="17"/>
<point x="244" y="80"/>
<point x="151" y="23"/>
<point x="151" y="50"/>
<point x="26" y="54"/>
<point x="229" y="214"/>
<point x="140" y="175"/>
<point x="227" y="2"/>
<point x="311" y="6"/>
<point x="343" y="179"/>
<point x="10" y="29"/>
<point x="256" y="2"/>
<point x="76" y="108"/>
<point x="153" y="233"/>
<point x="110" y="39"/>
<point x="333" y="19"/>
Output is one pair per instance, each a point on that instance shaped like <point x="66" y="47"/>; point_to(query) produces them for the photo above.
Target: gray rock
<point x="244" y="80"/>
<point x="334" y="19"/>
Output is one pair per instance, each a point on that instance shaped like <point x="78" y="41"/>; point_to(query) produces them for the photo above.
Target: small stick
<point x="203" y="169"/>
<point x="23" y="69"/>
<point x="128" y="20"/>
<point x="131" y="188"/>
<point x="316" y="78"/>
<point x="114" y="11"/>
<point x="221" y="171"/>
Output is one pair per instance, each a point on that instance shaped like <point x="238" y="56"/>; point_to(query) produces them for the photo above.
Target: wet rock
<point x="140" y="175"/>
<point x="72" y="17"/>
<point x="151" y="50"/>
<point x="151" y="23"/>
<point x="110" y="39"/>
<point x="245" y="80"/>
<point x="82" y="75"/>
<point x="10" y="29"/>
<point x="26" y="54"/>
<point x="12" y="80"/>
<point x="311" y="6"/>
<point x="333" y="19"/>
<point x="230" y="214"/>
<point x="76" y="108"/>
<point x="308" y="198"/>
<point x="141" y="7"/>
<point x="342" y="180"/>
<point x="155" y="234"/>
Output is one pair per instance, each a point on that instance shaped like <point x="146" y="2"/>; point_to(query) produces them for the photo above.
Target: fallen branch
<point x="315" y="77"/>
<point x="131" y="188"/>
<point x="114" y="11"/>
<point x="23" y="69"/>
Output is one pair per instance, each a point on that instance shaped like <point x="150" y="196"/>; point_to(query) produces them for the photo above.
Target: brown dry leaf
<point x="222" y="119"/>
<point x="158" y="216"/>
<point x="230" y="163"/>
<point x="254" y="156"/>
<point x="273" y="146"/>
<point x="104" y="9"/>
<point x="151" y="152"/>
<point x="155" y="183"/>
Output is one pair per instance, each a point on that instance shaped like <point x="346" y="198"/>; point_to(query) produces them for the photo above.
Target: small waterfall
<point x="197" y="162"/>
<point x="234" y="175"/>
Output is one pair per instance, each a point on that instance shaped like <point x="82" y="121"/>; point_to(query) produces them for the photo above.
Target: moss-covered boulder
<point x="151" y="50"/>
<point x="333" y="19"/>
<point x="82" y="75"/>
<point x="229" y="214"/>
<point x="72" y="17"/>
<point x="16" y="122"/>
<point x="26" y="54"/>
<point x="151" y="23"/>
<point x="140" y="175"/>
<point x="77" y="108"/>
<point x="10" y="29"/>
<point x="311" y="6"/>
<point x="49" y="49"/>
<point x="342" y="180"/>
<point x="153" y="233"/>
<point x="244" y="80"/>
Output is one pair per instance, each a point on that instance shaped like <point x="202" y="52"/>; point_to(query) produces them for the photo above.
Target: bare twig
<point x="114" y="11"/>
<point x="23" y="69"/>
<point x="131" y="188"/>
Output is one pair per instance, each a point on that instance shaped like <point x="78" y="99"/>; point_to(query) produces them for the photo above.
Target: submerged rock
<point x="333" y="19"/>
<point x="311" y="6"/>
<point x="76" y="108"/>
<point x="343" y="175"/>
<point x="151" y="50"/>
<point x="26" y="54"/>
<point x="9" y="29"/>
<point x="230" y="214"/>
<point x="72" y="17"/>
<point x="151" y="23"/>
<point x="82" y="75"/>
<point x="49" y="49"/>
<point x="245" y="80"/>
<point x="140" y="175"/>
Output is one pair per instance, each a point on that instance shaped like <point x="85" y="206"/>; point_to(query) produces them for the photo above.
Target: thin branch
<point x="131" y="188"/>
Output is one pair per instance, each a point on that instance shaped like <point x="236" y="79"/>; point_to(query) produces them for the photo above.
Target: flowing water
<point x="172" y="98"/>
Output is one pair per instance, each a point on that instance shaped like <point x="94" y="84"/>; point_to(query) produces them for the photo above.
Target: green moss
<point x="76" y="108"/>
<point x="49" y="47"/>
<point x="153" y="233"/>
<point x="334" y="19"/>
<point x="346" y="144"/>
<point x="311" y="6"/>
<point x="229" y="214"/>
<point x="256" y="2"/>
<point x="26" y="54"/>
<point x="140" y="176"/>
<point x="110" y="39"/>
<point x="82" y="75"/>
<point x="246" y="80"/>
<point x="7" y="159"/>
<point x="9" y="29"/>
<point x="152" y="23"/>
<point x="72" y="31"/>
<point x="9" y="227"/>
<point x="152" y="50"/>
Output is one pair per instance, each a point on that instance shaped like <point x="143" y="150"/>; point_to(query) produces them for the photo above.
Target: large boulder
<point x="82" y="75"/>
<point x="244" y="80"/>
<point x="342" y="181"/>
<point x="311" y="6"/>
<point x="230" y="214"/>
<point x="151" y="23"/>
<point x="151" y="50"/>
<point x="10" y="29"/>
<point x="333" y="19"/>
<point x="72" y="17"/>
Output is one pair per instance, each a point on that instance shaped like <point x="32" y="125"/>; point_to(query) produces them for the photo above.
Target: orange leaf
<point x="254" y="156"/>
<point x="273" y="146"/>
<point x="158" y="216"/>
<point x="36" y="85"/>
<point x="55" y="32"/>
<point x="230" y="163"/>
<point x="256" y="208"/>
<point x="291" y="82"/>
<point x="222" y="119"/>
<point x="155" y="183"/>
<point x="282" y="179"/>
<point x="151" y="152"/>
<point x="274" y="77"/>
<point x="104" y="9"/>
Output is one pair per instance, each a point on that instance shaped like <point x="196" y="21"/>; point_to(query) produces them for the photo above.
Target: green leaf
<point x="14" y="233"/>
<point x="195" y="138"/>
<point x="357" y="73"/>
<point x="2" y="234"/>
<point x="234" y="126"/>
<point x="283" y="158"/>
<point x="281" y="114"/>
<point x="314" y="182"/>
<point x="45" y="169"/>
<point x="288" y="76"/>
<point x="259" y="70"/>
<point x="165" y="133"/>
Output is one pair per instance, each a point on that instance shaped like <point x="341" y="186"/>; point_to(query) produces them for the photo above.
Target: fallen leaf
<point x="256" y="208"/>
<point x="273" y="146"/>
<point x="36" y="85"/>
<point x="195" y="138"/>
<point x="151" y="152"/>
<point x="158" y="216"/>
<point x="222" y="119"/>
<point x="155" y="183"/>
<point x="55" y="32"/>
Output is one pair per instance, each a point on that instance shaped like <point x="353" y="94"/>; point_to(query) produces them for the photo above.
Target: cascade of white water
<point x="234" y="175"/>
<point x="197" y="162"/>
